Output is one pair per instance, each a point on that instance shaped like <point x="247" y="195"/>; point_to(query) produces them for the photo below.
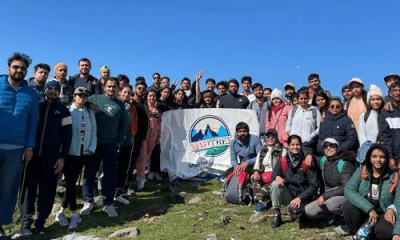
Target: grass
<point x="159" y="212"/>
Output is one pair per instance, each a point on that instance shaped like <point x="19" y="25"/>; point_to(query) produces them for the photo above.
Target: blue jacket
<point x="389" y="129"/>
<point x="19" y="113"/>
<point x="90" y="140"/>
<point x="245" y="153"/>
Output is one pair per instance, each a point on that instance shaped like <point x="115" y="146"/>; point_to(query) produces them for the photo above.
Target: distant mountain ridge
<point x="208" y="133"/>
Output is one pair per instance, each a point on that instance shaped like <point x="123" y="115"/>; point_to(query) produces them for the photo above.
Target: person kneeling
<point x="294" y="183"/>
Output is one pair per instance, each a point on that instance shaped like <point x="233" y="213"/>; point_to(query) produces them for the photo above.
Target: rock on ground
<point x="126" y="233"/>
<point x="211" y="237"/>
<point x="257" y="218"/>
<point x="194" y="200"/>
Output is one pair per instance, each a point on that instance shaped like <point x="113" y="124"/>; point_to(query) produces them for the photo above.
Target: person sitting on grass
<point x="270" y="154"/>
<point x="294" y="182"/>
<point x="337" y="167"/>
<point x="373" y="195"/>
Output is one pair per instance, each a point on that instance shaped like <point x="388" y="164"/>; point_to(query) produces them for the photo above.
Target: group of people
<point x="56" y="126"/>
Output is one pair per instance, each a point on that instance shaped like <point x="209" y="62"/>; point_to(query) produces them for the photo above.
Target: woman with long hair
<point x="180" y="100"/>
<point x="368" y="127"/>
<point x="153" y="137"/>
<point x="321" y="100"/>
<point x="372" y="195"/>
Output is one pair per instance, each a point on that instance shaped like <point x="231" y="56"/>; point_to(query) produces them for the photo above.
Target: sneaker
<point x="150" y="176"/>
<point x="40" y="229"/>
<point x="62" y="219"/>
<point x="158" y="177"/>
<point x="342" y="230"/>
<point x="99" y="200"/>
<point x="86" y="208"/>
<point x="75" y="219"/>
<point x="130" y="191"/>
<point x="277" y="221"/>
<point x="261" y="206"/>
<point x="140" y="183"/>
<point x="110" y="210"/>
<point x="122" y="200"/>
<point x="20" y="233"/>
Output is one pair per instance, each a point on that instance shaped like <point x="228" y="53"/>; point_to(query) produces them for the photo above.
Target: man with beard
<point x="53" y="140"/>
<point x="233" y="99"/>
<point x="260" y="105"/>
<point x="85" y="79"/>
<point x="289" y="92"/>
<point x="19" y="115"/>
<point x="39" y="78"/>
<point x="67" y="91"/>
<point x="244" y="149"/>
<point x="111" y="123"/>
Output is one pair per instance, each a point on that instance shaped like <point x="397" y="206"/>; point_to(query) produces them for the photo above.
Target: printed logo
<point x="209" y="136"/>
<point x="109" y="109"/>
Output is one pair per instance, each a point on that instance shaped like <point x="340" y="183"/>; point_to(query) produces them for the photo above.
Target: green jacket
<point x="356" y="189"/>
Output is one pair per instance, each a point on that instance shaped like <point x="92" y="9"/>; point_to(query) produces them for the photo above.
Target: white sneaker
<point x="140" y="183"/>
<point x="131" y="191"/>
<point x="99" y="200"/>
<point x="75" y="219"/>
<point x="20" y="233"/>
<point x="150" y="176"/>
<point x="110" y="210"/>
<point x="62" y="219"/>
<point x="122" y="200"/>
<point x="86" y="208"/>
<point x="158" y="177"/>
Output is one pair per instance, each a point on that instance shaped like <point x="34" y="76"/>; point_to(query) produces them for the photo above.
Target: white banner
<point x="197" y="140"/>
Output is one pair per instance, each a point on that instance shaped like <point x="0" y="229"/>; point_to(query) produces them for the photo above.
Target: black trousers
<point x="124" y="168"/>
<point x="354" y="218"/>
<point x="72" y="168"/>
<point x="40" y="189"/>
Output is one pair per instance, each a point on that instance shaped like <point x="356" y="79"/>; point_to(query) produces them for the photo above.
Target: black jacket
<point x="92" y="84"/>
<point x="333" y="180"/>
<point x="54" y="131"/>
<point x="389" y="130"/>
<point x="143" y="122"/>
<point x="233" y="101"/>
<point x="341" y="128"/>
<point x="300" y="184"/>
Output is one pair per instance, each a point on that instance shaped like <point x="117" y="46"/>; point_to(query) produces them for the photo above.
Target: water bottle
<point x="364" y="231"/>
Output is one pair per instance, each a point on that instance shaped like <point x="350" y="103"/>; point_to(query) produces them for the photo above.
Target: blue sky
<point x="272" y="41"/>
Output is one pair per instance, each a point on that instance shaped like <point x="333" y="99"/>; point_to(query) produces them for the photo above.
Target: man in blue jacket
<point x="19" y="115"/>
<point x="53" y="140"/>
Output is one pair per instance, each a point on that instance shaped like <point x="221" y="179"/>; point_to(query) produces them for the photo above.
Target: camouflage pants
<point x="261" y="191"/>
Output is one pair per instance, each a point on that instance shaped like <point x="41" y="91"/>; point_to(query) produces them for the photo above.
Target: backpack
<point x="314" y="114"/>
<point x="340" y="164"/>
<point x="237" y="189"/>
<point x="304" y="165"/>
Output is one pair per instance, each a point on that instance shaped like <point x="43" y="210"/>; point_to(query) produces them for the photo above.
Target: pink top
<point x="280" y="114"/>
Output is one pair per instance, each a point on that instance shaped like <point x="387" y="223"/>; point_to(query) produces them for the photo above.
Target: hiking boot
<point x="62" y="219"/>
<point x="158" y="177"/>
<point x="86" y="208"/>
<point x="122" y="200"/>
<point x="277" y="221"/>
<point x="150" y="176"/>
<point x="140" y="183"/>
<point x="40" y="229"/>
<point x="110" y="210"/>
<point x="75" y="219"/>
<point x="99" y="201"/>
<point x="261" y="206"/>
<point x="21" y="232"/>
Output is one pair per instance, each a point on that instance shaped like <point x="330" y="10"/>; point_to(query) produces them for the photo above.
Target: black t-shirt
<point x="374" y="194"/>
<point x="80" y="82"/>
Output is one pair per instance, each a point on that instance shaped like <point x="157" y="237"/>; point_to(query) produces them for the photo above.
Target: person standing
<point x="111" y="127"/>
<point x="233" y="99"/>
<point x="40" y="75"/>
<point x="66" y="93"/>
<point x="84" y="78"/>
<point x="19" y="115"/>
<point x="53" y="140"/>
<point x="260" y="105"/>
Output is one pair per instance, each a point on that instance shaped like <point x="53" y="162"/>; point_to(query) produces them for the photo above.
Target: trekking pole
<point x="22" y="192"/>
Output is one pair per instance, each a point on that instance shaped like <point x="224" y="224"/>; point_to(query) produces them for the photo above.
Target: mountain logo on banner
<point x="209" y="136"/>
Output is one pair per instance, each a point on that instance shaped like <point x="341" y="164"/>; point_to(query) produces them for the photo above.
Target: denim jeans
<point x="10" y="178"/>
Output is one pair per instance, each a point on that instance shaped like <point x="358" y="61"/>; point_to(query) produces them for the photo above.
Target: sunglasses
<point x="16" y="67"/>
<point x="335" y="106"/>
<point x="270" y="137"/>
<point x="330" y="145"/>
